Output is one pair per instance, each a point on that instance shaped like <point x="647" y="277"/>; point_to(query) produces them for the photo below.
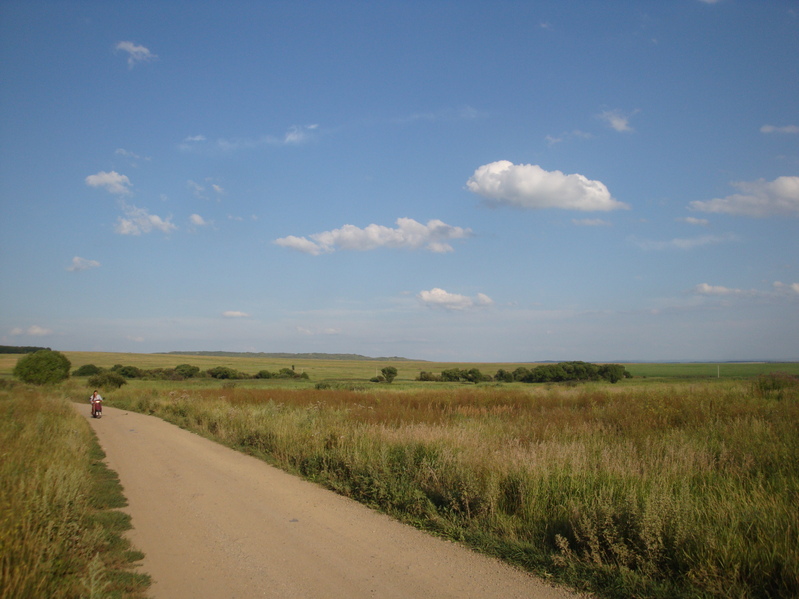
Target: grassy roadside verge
<point x="59" y="534"/>
<point x="651" y="490"/>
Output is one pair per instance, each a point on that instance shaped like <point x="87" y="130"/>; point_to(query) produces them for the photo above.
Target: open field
<point x="408" y="370"/>
<point x="680" y="489"/>
<point x="671" y="484"/>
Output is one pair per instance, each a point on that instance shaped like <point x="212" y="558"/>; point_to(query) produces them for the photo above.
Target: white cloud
<point x="136" y="53"/>
<point x="235" y="314"/>
<point x="530" y="186"/>
<point x="79" y="264"/>
<point x="466" y="113"/>
<point x="132" y="155"/>
<point x="590" y="222"/>
<point x="112" y="182"/>
<point x="779" y="289"/>
<point x="702" y="222"/>
<point x="438" y="298"/>
<point x="325" y="331"/>
<point x="684" y="243"/>
<point x="33" y="331"/>
<point x="197" y="189"/>
<point x="409" y="234"/>
<point x="757" y="198"/>
<point x="706" y="289"/>
<point x="617" y="120"/>
<point x="786" y="288"/>
<point x="298" y="135"/>
<point x="199" y="221"/>
<point x="785" y="129"/>
<point x="138" y="220"/>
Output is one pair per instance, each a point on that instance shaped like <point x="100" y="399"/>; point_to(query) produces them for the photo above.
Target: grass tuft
<point x="58" y="536"/>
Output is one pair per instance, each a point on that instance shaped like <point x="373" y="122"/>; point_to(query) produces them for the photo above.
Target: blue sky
<point x="454" y="181"/>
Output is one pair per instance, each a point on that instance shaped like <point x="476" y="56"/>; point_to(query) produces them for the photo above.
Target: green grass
<point x="359" y="371"/>
<point x="59" y="536"/>
<point x="630" y="490"/>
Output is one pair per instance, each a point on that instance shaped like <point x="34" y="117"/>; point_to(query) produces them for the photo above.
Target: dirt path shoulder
<point x="219" y="524"/>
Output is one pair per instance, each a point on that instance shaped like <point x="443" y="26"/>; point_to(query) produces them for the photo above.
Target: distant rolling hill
<point x="310" y="356"/>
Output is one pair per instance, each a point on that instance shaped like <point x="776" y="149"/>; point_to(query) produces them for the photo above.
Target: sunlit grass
<point x="636" y="490"/>
<point x="58" y="538"/>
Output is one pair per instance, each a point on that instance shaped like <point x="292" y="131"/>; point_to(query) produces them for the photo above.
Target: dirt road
<point x="219" y="524"/>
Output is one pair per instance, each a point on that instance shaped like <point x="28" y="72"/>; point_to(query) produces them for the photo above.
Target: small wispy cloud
<point x="590" y="222"/>
<point x="138" y="220"/>
<point x="465" y="113"/>
<point x="33" y="331"/>
<point x="198" y="221"/>
<point x="791" y="288"/>
<point x="684" y="243"/>
<point x="79" y="264"/>
<point x="111" y="181"/>
<point x="617" y="120"/>
<point x="235" y="314"/>
<point x="700" y="222"/>
<point x="565" y="136"/>
<point x="706" y="289"/>
<point x="201" y="191"/>
<point x="409" y="234"/>
<point x="438" y="298"/>
<point x="785" y="129"/>
<point x="757" y="198"/>
<point x="132" y="156"/>
<point x="778" y="290"/>
<point x="295" y="136"/>
<point x="136" y="53"/>
<point x="313" y="332"/>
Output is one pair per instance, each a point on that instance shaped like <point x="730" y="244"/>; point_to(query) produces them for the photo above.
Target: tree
<point x="223" y="372"/>
<point x="503" y="376"/>
<point x="187" y="371"/>
<point x="389" y="373"/>
<point x="129" y="372"/>
<point x="612" y="372"/>
<point x="107" y="380"/>
<point x="43" y="367"/>
<point x="87" y="370"/>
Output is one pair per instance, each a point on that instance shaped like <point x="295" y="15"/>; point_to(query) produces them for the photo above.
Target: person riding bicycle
<point x="95" y="399"/>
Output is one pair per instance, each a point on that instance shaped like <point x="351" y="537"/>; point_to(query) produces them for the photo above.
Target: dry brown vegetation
<point x="681" y="489"/>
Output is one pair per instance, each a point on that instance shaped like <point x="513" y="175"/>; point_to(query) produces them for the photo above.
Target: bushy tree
<point x="187" y="371"/>
<point x="429" y="376"/>
<point x="389" y="373"/>
<point x="503" y="376"/>
<point x="223" y="372"/>
<point x="452" y="375"/>
<point x="612" y="372"/>
<point x="43" y="367"/>
<point x="87" y="370"/>
<point x="129" y="372"/>
<point x="264" y="374"/>
<point x="107" y="380"/>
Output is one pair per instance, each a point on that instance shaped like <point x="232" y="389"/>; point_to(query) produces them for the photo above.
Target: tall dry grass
<point x="57" y="537"/>
<point x="660" y="490"/>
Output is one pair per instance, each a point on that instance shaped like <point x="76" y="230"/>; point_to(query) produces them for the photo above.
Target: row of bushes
<point x="117" y="375"/>
<point x="547" y="373"/>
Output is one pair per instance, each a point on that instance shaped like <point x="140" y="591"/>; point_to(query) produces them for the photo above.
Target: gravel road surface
<point x="214" y="523"/>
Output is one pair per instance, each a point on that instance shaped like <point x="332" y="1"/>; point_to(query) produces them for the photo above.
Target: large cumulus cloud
<point x="530" y="186"/>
